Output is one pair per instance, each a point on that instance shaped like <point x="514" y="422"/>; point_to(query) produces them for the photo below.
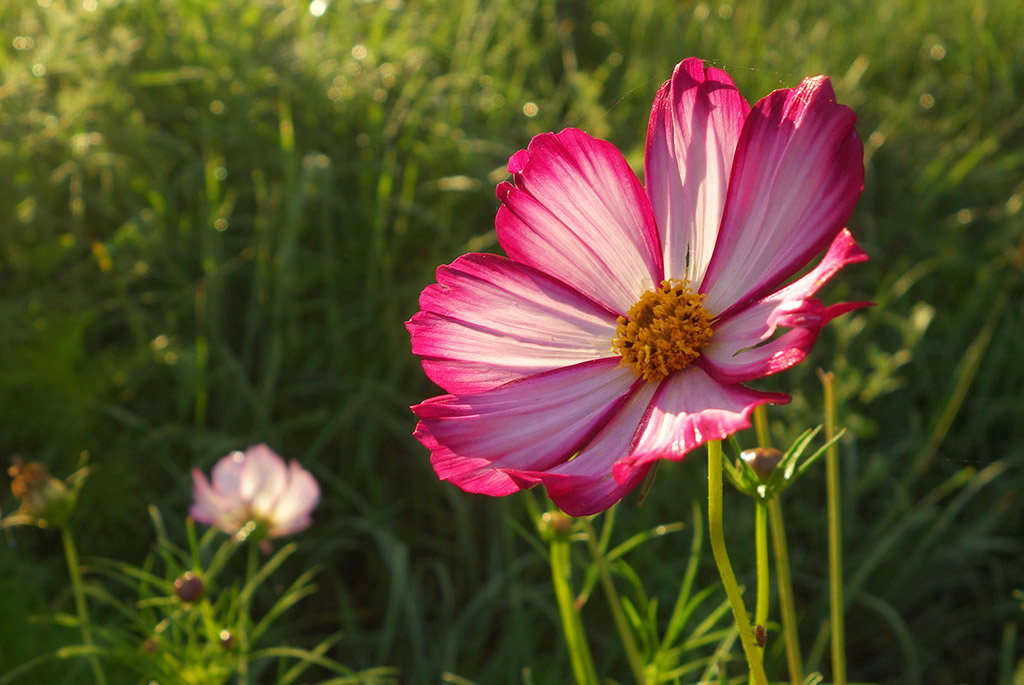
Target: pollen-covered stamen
<point x="663" y="332"/>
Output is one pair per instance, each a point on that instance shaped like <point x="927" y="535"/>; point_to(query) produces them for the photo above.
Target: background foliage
<point x="216" y="217"/>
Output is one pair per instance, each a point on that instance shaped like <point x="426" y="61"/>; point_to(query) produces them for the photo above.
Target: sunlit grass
<point x="218" y="215"/>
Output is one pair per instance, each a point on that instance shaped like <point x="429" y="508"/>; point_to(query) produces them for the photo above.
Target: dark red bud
<point x="762" y="460"/>
<point x="188" y="588"/>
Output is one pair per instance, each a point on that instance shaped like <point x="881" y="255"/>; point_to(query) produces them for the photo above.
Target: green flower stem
<point x="791" y="639"/>
<point x="793" y="657"/>
<point x="761" y="532"/>
<point x="835" y="537"/>
<point x="615" y="604"/>
<point x="732" y="590"/>
<point x="761" y="426"/>
<point x="763" y="569"/>
<point x="71" y="555"/>
<point x="244" y="620"/>
<point x="575" y="638"/>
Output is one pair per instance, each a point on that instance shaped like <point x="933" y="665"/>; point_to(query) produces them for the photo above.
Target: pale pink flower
<point x="255" y="486"/>
<point x="625" y="319"/>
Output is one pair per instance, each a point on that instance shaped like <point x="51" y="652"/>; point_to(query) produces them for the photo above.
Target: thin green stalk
<point x="794" y="660"/>
<point x="732" y="590"/>
<point x="763" y="569"/>
<point x="575" y="638"/>
<point x="761" y="533"/>
<point x="244" y="621"/>
<point x="761" y="426"/>
<point x="71" y="555"/>
<point x="636" y="662"/>
<point x="835" y="537"/>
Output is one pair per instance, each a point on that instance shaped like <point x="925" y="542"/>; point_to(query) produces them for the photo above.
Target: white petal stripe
<point x="691" y="139"/>
<point x="578" y="213"/>
<point x="797" y="173"/>
<point x="490" y="320"/>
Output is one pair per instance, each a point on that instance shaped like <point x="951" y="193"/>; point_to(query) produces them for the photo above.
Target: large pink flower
<point x="625" y="319"/>
<point x="255" y="486"/>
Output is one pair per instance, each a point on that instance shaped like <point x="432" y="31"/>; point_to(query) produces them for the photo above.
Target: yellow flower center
<point x="663" y="332"/>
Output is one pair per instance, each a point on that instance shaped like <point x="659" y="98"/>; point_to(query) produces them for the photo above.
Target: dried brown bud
<point x="45" y="501"/>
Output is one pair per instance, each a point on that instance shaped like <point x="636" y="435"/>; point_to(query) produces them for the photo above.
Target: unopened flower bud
<point x="556" y="523"/>
<point x="227" y="640"/>
<point x="188" y="588"/>
<point x="762" y="460"/>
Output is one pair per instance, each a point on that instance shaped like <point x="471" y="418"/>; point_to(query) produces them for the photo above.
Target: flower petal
<point x="797" y="173"/>
<point x="211" y="508"/>
<point x="578" y="213"/>
<point x="585" y="485"/>
<point x="291" y="513"/>
<point x="691" y="137"/>
<point x="690" y="408"/>
<point x="480" y="442"/>
<point x="263" y="478"/>
<point x="206" y="503"/>
<point x="738" y="352"/>
<point x="227" y="474"/>
<point x="490" y="320"/>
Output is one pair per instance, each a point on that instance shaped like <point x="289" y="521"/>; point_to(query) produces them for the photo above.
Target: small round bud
<point x="187" y="587"/>
<point x="762" y="460"/>
<point x="557" y="522"/>
<point x="150" y="645"/>
<point x="227" y="640"/>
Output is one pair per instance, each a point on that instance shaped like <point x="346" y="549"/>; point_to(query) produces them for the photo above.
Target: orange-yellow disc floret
<point x="663" y="332"/>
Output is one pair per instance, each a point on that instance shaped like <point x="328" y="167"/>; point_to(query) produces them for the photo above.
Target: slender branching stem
<point x="763" y="570"/>
<point x="787" y="607"/>
<point x="732" y="590"/>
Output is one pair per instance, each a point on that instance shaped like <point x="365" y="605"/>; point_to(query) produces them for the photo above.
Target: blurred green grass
<point x="216" y="217"/>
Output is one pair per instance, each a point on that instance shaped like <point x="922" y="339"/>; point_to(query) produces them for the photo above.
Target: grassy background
<point x="217" y="216"/>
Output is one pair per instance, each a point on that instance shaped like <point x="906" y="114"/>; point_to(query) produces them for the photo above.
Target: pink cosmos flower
<point x="625" y="320"/>
<point x="256" y="486"/>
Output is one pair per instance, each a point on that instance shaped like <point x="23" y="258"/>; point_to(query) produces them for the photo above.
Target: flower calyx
<point x="765" y="472"/>
<point x="553" y="525"/>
